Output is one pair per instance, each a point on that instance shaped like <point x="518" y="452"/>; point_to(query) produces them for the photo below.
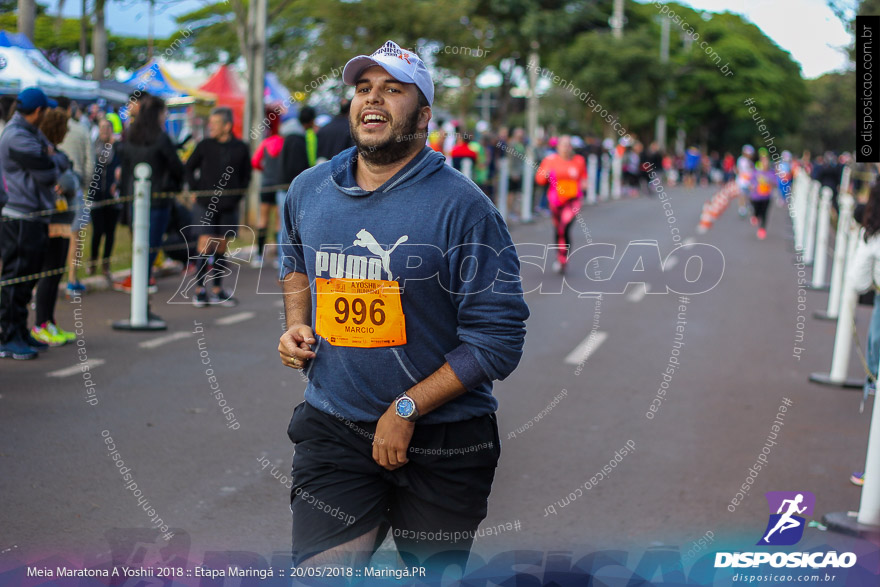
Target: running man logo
<point x="786" y="526"/>
<point x="206" y="267"/>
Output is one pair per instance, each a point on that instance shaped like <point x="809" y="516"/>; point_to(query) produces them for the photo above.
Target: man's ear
<point x="425" y="117"/>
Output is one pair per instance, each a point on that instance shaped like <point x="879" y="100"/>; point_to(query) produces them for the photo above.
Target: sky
<point x="805" y="28"/>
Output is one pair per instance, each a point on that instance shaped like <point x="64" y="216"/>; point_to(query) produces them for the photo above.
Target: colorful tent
<point x="224" y="84"/>
<point x="187" y="107"/>
<point x="156" y="80"/>
<point x="23" y="65"/>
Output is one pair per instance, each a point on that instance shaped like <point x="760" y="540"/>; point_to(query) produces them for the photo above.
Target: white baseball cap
<point x="404" y="66"/>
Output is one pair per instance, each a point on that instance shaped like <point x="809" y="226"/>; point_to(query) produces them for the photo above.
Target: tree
<point x="26" y="15"/>
<point x="829" y="124"/>
<point x="627" y="78"/>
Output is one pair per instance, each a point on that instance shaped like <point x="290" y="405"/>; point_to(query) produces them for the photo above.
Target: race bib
<point x="364" y="313"/>
<point x="567" y="189"/>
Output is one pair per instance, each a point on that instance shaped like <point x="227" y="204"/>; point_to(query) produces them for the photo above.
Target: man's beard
<point x="405" y="138"/>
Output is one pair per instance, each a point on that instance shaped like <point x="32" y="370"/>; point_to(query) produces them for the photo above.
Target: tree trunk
<point x="84" y="36"/>
<point x="59" y="18"/>
<point x="27" y="12"/>
<point x="99" y="41"/>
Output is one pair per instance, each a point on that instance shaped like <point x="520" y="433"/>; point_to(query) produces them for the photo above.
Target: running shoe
<point x="762" y="234"/>
<point x="18" y="350"/>
<point x="74" y="287"/>
<point x="125" y="285"/>
<point x="743" y="211"/>
<point x="224" y="298"/>
<point x="857" y="479"/>
<point x="200" y="300"/>
<point x="257" y="262"/>
<point x="754" y="220"/>
<point x="42" y="334"/>
<point x="56" y="330"/>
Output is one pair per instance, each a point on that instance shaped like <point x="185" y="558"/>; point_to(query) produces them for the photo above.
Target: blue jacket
<point x="448" y="248"/>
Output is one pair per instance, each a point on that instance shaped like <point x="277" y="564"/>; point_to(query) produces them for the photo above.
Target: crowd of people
<point x="93" y="153"/>
<point x="66" y="173"/>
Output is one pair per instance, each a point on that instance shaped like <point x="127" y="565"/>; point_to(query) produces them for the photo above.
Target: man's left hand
<point x="391" y="440"/>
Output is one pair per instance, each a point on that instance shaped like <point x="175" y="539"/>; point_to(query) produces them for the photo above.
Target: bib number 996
<point x="359" y="311"/>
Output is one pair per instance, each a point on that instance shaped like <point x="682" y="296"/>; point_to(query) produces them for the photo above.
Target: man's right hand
<point x="294" y="346"/>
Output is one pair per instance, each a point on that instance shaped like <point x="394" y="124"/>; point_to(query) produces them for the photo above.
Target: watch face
<point x="405" y="407"/>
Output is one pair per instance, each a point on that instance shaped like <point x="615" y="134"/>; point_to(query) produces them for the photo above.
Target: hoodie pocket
<point x="412" y="373"/>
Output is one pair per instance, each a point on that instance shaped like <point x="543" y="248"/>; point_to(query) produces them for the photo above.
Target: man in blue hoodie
<point x="403" y="303"/>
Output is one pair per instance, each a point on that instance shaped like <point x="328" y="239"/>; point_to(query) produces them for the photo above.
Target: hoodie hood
<point x="426" y="163"/>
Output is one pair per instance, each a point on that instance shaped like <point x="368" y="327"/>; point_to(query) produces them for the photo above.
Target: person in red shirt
<point x="567" y="175"/>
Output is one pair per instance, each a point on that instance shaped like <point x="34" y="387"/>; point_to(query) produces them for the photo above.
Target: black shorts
<point x="214" y="222"/>
<point x="433" y="504"/>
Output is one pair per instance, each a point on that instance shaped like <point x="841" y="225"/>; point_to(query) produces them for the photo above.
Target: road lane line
<point x="586" y="348"/>
<point x="68" y="371"/>
<point x="637" y="293"/>
<point x="235" y="318"/>
<point x="160" y="340"/>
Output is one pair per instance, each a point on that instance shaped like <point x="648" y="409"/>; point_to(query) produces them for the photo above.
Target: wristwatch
<point x="405" y="407"/>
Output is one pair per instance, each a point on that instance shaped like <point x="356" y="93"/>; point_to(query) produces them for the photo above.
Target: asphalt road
<point x="62" y="494"/>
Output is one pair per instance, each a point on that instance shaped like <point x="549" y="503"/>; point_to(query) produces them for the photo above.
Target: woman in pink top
<point x="567" y="175"/>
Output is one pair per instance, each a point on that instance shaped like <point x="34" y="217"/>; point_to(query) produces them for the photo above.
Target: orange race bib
<point x="567" y="189"/>
<point x="363" y="313"/>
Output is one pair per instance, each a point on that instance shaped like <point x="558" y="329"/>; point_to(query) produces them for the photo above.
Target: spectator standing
<point x="146" y="142"/>
<point x="30" y="175"/>
<point x="335" y="136"/>
<point x="54" y="127"/>
<point x="104" y="192"/>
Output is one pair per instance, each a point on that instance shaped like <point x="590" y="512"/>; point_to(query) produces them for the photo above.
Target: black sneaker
<point x="200" y="300"/>
<point x="35" y="344"/>
<point x="224" y="298"/>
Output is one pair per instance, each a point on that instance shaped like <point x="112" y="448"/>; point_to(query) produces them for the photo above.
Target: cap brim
<point x="52" y="103"/>
<point x="356" y="65"/>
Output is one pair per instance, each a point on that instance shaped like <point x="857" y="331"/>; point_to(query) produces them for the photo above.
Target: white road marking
<point x="586" y="348"/>
<point x="637" y="293"/>
<point x="160" y="340"/>
<point x="68" y="371"/>
<point x="235" y="318"/>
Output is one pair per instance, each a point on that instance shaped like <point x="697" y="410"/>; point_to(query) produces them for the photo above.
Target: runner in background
<point x="267" y="159"/>
<point x="764" y="181"/>
<point x="567" y="176"/>
<point x="745" y="168"/>
<point x="219" y="163"/>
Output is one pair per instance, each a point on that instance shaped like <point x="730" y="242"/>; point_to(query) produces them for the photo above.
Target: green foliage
<point x="829" y="121"/>
<point x="627" y="78"/>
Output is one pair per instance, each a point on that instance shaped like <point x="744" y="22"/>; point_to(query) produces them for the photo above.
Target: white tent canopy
<point x="22" y="65"/>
